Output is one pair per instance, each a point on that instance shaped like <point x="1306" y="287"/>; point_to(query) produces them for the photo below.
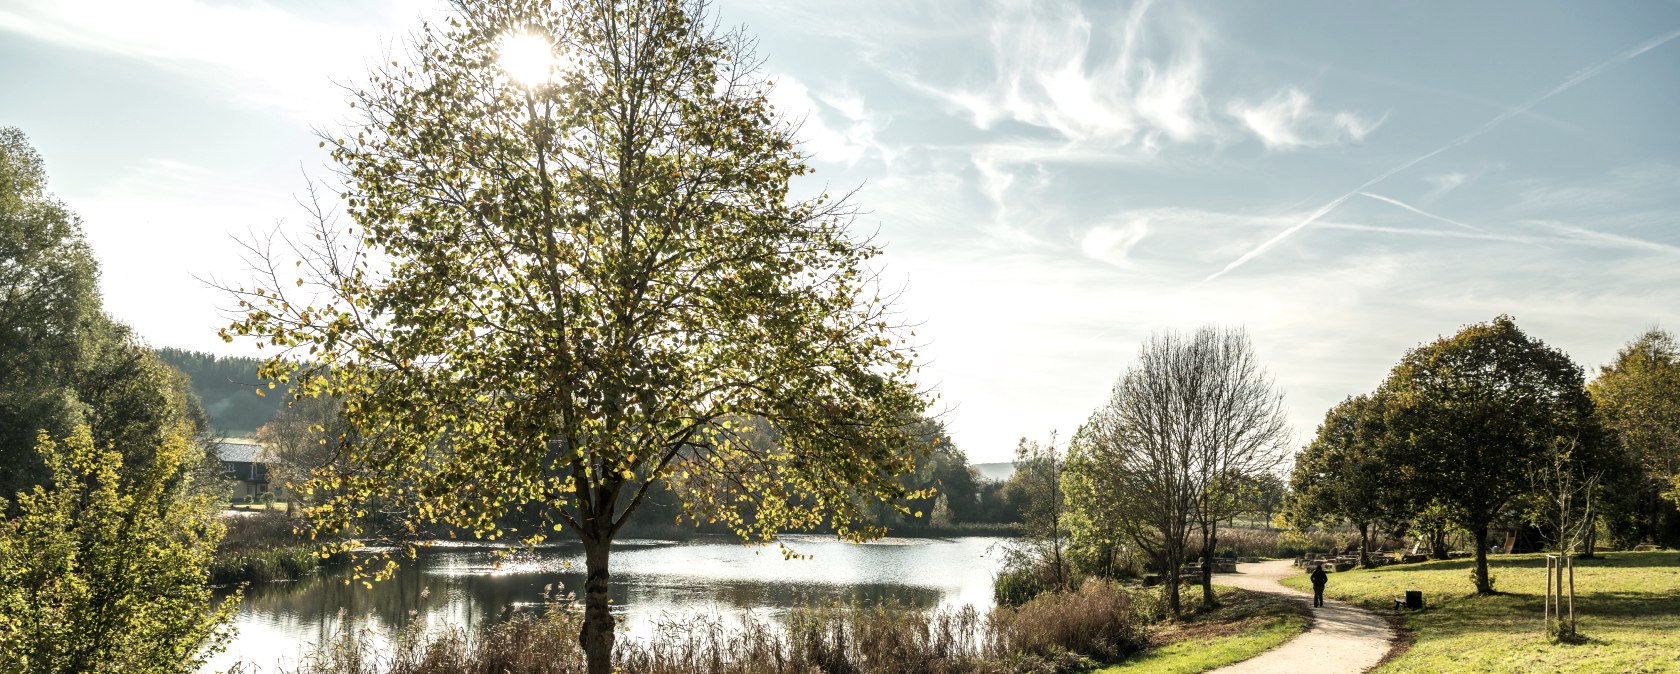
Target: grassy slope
<point x="1628" y="606"/>
<point x="1248" y="624"/>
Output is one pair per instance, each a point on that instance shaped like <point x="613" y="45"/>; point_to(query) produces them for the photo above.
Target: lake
<point x="653" y="581"/>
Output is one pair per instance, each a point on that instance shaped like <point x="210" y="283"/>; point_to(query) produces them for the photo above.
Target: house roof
<point x="239" y="451"/>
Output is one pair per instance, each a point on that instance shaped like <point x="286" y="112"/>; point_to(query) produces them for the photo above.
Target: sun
<point x="527" y="58"/>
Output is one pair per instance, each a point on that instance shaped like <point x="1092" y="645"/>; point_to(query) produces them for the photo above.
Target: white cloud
<point x="1118" y="86"/>
<point x="845" y="142"/>
<point x="1113" y="243"/>
<point x="1287" y="121"/>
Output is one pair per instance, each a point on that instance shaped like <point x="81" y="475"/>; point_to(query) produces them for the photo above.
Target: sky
<point x="1053" y="181"/>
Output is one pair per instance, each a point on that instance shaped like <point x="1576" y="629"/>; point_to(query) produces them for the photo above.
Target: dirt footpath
<point x="1344" y="638"/>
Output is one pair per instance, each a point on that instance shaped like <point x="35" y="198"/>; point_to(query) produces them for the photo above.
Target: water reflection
<point x="653" y="581"/>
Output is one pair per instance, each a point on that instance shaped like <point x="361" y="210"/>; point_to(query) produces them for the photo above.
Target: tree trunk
<point x="1210" y="537"/>
<point x="1172" y="579"/>
<point x="1170" y="566"/>
<point x="1438" y="544"/>
<point x="1365" y="545"/>
<point x="1483" y="585"/>
<point x="1590" y="539"/>
<point x="597" y="635"/>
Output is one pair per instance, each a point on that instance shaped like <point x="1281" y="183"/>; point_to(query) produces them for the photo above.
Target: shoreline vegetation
<point x="1102" y="626"/>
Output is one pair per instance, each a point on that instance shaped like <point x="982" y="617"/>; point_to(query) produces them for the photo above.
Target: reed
<point x="1051" y="634"/>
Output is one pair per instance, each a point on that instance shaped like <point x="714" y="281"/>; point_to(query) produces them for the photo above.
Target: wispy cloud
<point x="1580" y="76"/>
<point x="1287" y="121"/>
<point x="1134" y="83"/>
<point x="846" y="140"/>
<point x="1112" y="243"/>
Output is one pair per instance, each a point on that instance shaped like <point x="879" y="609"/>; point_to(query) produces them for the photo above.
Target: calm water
<point x="652" y="581"/>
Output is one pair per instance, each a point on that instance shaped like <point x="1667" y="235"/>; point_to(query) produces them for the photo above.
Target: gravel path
<point x="1344" y="638"/>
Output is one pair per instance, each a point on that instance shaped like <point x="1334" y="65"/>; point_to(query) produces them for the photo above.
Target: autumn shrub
<point x="1097" y="621"/>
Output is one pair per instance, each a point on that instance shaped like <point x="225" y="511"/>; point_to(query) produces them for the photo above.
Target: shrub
<point x="1096" y="621"/>
<point x="1017" y="586"/>
<point x="105" y="573"/>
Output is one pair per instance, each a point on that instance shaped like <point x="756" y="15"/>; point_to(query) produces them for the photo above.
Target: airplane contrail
<point x="1420" y="211"/>
<point x="1577" y="78"/>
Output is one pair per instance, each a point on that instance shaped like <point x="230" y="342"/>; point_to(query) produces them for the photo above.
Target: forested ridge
<point x="227" y="386"/>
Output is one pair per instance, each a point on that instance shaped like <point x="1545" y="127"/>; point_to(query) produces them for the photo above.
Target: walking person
<point x="1319" y="578"/>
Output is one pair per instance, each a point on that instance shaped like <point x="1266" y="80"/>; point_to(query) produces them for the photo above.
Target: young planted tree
<point x="1343" y="475"/>
<point x="573" y="272"/>
<point x="1475" y="416"/>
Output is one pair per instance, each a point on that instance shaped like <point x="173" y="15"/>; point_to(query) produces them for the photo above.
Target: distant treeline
<point x="227" y="386"/>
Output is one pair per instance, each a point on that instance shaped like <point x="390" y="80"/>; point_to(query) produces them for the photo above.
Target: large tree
<point x="1183" y="430"/>
<point x="1475" y="416"/>
<point x="573" y="270"/>
<point x="1342" y="476"/>
<point x="1239" y="434"/>
<point x="63" y="362"/>
<point x="1638" y="401"/>
<point x="48" y="300"/>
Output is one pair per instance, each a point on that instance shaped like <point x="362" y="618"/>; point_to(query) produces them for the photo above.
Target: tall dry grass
<point x="1051" y="634"/>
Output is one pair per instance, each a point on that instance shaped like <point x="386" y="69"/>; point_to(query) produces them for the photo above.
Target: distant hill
<point x="999" y="471"/>
<point x="227" y="387"/>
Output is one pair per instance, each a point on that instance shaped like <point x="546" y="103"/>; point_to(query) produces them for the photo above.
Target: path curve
<point x="1343" y="638"/>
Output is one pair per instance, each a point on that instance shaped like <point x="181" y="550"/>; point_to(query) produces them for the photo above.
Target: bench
<point x="1413" y="601"/>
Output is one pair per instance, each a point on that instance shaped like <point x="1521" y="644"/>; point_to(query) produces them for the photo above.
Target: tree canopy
<point x="1638" y="399"/>
<point x="1342" y="476"/>
<point x="63" y="362"/>
<point x="561" y="288"/>
<point x="1474" y="416"/>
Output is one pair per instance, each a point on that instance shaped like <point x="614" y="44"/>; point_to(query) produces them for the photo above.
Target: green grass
<point x="279" y="506"/>
<point x="1627" y="604"/>
<point x="1248" y="624"/>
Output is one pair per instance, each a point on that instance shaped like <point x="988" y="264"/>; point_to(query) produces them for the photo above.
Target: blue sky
<point x="1054" y="180"/>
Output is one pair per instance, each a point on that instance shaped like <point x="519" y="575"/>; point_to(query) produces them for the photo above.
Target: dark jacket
<point x="1319" y="578"/>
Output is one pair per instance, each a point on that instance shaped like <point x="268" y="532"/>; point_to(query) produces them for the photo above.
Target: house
<point x="243" y="461"/>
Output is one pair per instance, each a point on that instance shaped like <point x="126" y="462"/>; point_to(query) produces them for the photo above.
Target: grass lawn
<point x="1246" y="625"/>
<point x="279" y="506"/>
<point x="1627" y="603"/>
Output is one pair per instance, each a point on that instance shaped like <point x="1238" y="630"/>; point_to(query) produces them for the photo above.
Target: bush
<point x="1096" y="621"/>
<point x="105" y="573"/>
<point x="1016" y="586"/>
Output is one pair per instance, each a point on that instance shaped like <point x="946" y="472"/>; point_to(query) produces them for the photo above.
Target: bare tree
<point x="1241" y="434"/>
<point x="1194" y="418"/>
